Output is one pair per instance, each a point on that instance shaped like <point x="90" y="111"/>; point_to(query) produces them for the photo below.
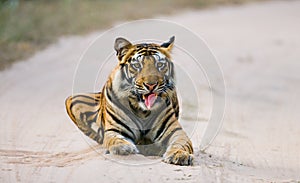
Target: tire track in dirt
<point x="47" y="159"/>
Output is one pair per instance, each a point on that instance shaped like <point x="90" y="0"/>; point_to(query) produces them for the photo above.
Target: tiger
<point x="137" y="110"/>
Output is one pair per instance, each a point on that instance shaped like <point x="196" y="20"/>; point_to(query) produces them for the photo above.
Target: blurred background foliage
<point x="30" y="25"/>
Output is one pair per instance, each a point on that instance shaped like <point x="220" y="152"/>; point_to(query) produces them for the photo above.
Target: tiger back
<point x="137" y="110"/>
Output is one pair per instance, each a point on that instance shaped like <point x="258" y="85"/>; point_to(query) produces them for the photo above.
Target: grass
<point x="27" y="26"/>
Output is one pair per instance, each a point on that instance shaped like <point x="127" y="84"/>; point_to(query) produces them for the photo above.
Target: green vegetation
<point x="29" y="25"/>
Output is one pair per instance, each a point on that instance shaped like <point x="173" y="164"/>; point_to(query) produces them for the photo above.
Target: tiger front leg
<point x="117" y="144"/>
<point x="179" y="148"/>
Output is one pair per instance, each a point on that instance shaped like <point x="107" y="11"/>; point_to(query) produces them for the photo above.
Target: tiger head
<point x="147" y="70"/>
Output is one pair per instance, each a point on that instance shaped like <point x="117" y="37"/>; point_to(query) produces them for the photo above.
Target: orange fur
<point x="122" y="120"/>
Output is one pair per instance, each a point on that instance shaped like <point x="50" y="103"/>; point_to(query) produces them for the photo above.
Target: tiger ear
<point x="169" y="45"/>
<point x="121" y="46"/>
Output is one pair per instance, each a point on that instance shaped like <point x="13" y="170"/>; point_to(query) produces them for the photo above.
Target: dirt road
<point x="258" y="48"/>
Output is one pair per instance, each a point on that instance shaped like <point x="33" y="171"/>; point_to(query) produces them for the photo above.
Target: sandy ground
<point x="258" y="47"/>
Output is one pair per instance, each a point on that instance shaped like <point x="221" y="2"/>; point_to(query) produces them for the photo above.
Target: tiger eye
<point x="159" y="64"/>
<point x="136" y="65"/>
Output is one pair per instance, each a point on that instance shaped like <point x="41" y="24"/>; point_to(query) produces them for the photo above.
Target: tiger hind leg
<point x="84" y="111"/>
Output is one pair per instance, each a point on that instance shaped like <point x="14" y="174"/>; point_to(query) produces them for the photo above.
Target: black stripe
<point x="124" y="109"/>
<point x="90" y="113"/>
<point x="70" y="113"/>
<point x="171" y="70"/>
<point x="85" y="96"/>
<point x="120" y="132"/>
<point x="167" y="138"/>
<point x="144" y="132"/>
<point x="98" y="95"/>
<point x="166" y="129"/>
<point x="176" y="108"/>
<point x="185" y="146"/>
<point x="168" y="102"/>
<point x="163" y="126"/>
<point x="118" y="121"/>
<point x="101" y="129"/>
<point x="108" y="95"/>
<point x="94" y="119"/>
<point x="86" y="103"/>
<point x="189" y="147"/>
<point x="82" y="102"/>
<point x="81" y="116"/>
<point x="125" y="73"/>
<point x="87" y="115"/>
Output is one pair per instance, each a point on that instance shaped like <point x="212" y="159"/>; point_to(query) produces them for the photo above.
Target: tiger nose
<point x="150" y="86"/>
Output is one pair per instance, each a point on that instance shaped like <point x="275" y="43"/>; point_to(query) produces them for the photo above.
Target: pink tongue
<point x="149" y="100"/>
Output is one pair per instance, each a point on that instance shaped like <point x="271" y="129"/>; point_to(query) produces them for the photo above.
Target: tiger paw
<point x="178" y="157"/>
<point x="123" y="149"/>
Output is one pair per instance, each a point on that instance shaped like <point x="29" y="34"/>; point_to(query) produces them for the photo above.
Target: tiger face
<point x="148" y="69"/>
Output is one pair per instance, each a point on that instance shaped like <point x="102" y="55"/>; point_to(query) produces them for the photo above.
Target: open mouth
<point x="149" y="99"/>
